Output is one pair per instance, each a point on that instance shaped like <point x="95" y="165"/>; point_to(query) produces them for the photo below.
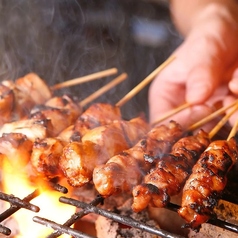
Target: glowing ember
<point x="16" y="182"/>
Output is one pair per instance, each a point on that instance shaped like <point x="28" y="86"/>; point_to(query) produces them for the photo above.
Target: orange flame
<point x="16" y="181"/>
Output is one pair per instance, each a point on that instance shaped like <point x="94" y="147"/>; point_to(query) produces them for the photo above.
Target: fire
<point x="16" y="181"/>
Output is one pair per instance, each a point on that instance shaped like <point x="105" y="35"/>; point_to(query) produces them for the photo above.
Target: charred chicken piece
<point x="98" y="114"/>
<point x="32" y="128"/>
<point x="66" y="134"/>
<point x="19" y="97"/>
<point x="6" y="104"/>
<point x="98" y="145"/>
<point x="45" y="157"/>
<point x="34" y="87"/>
<point x="170" y="173"/>
<point x="203" y="188"/>
<point x="15" y="147"/>
<point x="125" y="170"/>
<point x="61" y="111"/>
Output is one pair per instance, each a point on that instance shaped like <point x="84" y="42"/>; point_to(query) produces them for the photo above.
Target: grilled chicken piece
<point x="125" y="170"/>
<point x="29" y="91"/>
<point x="61" y="111"/>
<point x="64" y="102"/>
<point x="32" y="128"/>
<point x="6" y="104"/>
<point x="98" y="114"/>
<point x="98" y="145"/>
<point x="45" y="157"/>
<point x="32" y="86"/>
<point x="22" y="96"/>
<point x="170" y="173"/>
<point x="203" y="188"/>
<point x="66" y="134"/>
<point x="16" y="147"/>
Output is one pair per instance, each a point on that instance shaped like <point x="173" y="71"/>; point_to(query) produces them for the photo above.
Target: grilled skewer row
<point x="125" y="170"/>
<point x="44" y="119"/>
<point x="43" y="127"/>
<point x="97" y="146"/>
<point x="170" y="173"/>
<point x="203" y="188"/>
<point x="47" y="151"/>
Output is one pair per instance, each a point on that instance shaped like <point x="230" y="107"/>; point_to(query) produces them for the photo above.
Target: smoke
<point x="64" y="39"/>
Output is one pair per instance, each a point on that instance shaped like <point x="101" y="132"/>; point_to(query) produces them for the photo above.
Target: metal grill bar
<point x="4" y="230"/>
<point x="76" y="216"/>
<point x="17" y="203"/>
<point x="57" y="187"/>
<point x="62" y="228"/>
<point x="118" y="218"/>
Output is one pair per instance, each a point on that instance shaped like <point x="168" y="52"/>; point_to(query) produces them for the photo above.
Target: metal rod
<point x="119" y="218"/>
<point x="64" y="229"/>
<point x="4" y="230"/>
<point x="18" y="204"/>
<point x="76" y="216"/>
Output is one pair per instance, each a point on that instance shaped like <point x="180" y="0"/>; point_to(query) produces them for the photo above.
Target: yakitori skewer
<point x="208" y="179"/>
<point x="86" y="78"/>
<point x="172" y="171"/>
<point x="20" y="96"/>
<point x="107" y="112"/>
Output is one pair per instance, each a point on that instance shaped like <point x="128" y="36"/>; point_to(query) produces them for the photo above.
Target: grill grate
<point x="17" y="203"/>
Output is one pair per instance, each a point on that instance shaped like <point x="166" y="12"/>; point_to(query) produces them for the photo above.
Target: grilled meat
<point x="27" y="91"/>
<point x="170" y="173"/>
<point x="6" y="104"/>
<point x="98" y="114"/>
<point x="45" y="157"/>
<point x="98" y="145"/>
<point x="61" y="111"/>
<point x="15" y="147"/>
<point x="125" y="170"/>
<point x="32" y="128"/>
<point x="207" y="181"/>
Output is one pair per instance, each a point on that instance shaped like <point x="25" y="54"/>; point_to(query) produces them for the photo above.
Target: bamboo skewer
<point x="222" y="122"/>
<point x="143" y="83"/>
<point x="103" y="89"/>
<point x="171" y="113"/>
<point x="211" y="116"/>
<point x="233" y="131"/>
<point x="86" y="78"/>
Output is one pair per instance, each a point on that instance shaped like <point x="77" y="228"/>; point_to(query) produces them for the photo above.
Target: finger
<point x="163" y="97"/>
<point x="200" y="85"/>
<point x="233" y="84"/>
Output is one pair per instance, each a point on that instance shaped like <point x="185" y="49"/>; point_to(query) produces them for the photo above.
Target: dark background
<point x="63" y="39"/>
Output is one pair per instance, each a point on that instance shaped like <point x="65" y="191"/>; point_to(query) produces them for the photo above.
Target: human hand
<point x="203" y="71"/>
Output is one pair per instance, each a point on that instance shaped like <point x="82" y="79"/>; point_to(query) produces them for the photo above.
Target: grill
<point x="111" y="40"/>
<point x="92" y="207"/>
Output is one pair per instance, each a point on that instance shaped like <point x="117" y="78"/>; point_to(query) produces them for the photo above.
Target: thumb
<point x="201" y="83"/>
